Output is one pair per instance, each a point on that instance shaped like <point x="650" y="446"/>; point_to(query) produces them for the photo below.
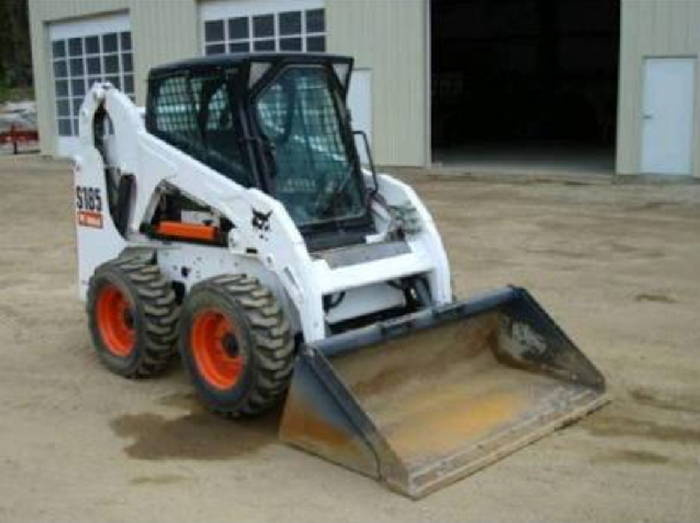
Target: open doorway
<point x="525" y="85"/>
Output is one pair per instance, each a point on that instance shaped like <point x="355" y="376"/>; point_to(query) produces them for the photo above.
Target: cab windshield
<point x="313" y="175"/>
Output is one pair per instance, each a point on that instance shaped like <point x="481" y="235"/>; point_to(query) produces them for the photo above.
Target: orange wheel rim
<point x="115" y="321"/>
<point x="215" y="349"/>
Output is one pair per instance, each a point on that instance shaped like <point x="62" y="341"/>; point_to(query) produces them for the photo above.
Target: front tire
<point x="236" y="345"/>
<point x="133" y="314"/>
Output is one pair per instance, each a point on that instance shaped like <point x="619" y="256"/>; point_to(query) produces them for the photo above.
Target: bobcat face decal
<point x="261" y="223"/>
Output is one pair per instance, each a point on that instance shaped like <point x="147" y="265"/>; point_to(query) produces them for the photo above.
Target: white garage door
<point x="84" y="52"/>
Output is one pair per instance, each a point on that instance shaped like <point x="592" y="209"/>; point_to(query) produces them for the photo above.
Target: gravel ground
<point x="617" y="266"/>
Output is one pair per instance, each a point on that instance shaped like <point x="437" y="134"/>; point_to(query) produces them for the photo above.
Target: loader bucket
<point x="421" y="401"/>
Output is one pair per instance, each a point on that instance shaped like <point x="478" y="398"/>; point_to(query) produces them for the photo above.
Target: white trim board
<point x="217" y="9"/>
<point x="89" y="26"/>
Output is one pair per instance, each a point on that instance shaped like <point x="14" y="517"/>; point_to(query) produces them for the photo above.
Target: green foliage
<point x="4" y="88"/>
<point x="15" y="49"/>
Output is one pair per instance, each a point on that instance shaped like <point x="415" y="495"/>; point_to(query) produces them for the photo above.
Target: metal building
<point x="599" y="85"/>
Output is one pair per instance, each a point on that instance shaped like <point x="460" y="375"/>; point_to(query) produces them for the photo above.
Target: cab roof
<point x="245" y="59"/>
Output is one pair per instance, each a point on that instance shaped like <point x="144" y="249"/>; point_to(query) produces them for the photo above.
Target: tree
<point x="15" y="48"/>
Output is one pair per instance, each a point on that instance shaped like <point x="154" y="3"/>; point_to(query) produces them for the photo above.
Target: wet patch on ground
<point x="14" y="283"/>
<point x="654" y="297"/>
<point x="628" y="427"/>
<point x="160" y="479"/>
<point x="640" y="457"/>
<point x="616" y="247"/>
<point x="679" y="404"/>
<point x="555" y="252"/>
<point x="198" y="435"/>
<point x="654" y="206"/>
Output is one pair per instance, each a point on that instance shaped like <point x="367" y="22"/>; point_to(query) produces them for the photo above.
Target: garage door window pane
<point x="78" y="87"/>
<point x="316" y="44"/>
<point x="109" y="43"/>
<point x="315" y="21"/>
<point x="59" y="48"/>
<point x="291" y="44"/>
<point x="215" y="49"/>
<point x="126" y="41"/>
<point x="238" y="28"/>
<point x="60" y="69"/>
<point x="111" y="64"/>
<point x="77" y="102"/>
<point x="127" y="62"/>
<point x="76" y="67"/>
<point x="290" y="23"/>
<point x="62" y="108"/>
<point x="239" y="47"/>
<point x="92" y="45"/>
<point x="94" y="65"/>
<point x="75" y="46"/>
<point x="64" y="127"/>
<point x="61" y="88"/>
<point x="129" y="84"/>
<point x="214" y="31"/>
<point x="264" y="45"/>
<point x="263" y="25"/>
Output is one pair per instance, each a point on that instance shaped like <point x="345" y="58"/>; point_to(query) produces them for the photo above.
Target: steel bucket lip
<point x="416" y="487"/>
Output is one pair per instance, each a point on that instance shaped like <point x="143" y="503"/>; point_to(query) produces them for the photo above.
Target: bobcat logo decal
<point x="261" y="222"/>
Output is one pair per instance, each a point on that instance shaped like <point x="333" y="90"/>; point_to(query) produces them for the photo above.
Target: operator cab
<point x="277" y="122"/>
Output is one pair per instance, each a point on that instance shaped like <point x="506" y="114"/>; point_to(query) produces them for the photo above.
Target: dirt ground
<point x="618" y="266"/>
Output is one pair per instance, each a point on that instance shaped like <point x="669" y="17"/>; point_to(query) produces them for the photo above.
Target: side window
<point x="173" y="117"/>
<point x="219" y="112"/>
<point x="193" y="113"/>
<point x="224" y="151"/>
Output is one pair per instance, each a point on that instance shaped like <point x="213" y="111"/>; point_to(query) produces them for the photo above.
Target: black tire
<point x="152" y="311"/>
<point x="259" y="338"/>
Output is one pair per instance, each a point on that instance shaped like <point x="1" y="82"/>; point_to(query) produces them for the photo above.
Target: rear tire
<point x="133" y="314"/>
<point x="236" y="345"/>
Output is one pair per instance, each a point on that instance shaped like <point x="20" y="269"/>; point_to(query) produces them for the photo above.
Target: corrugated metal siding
<point x="652" y="28"/>
<point x="388" y="37"/>
<point x="163" y="31"/>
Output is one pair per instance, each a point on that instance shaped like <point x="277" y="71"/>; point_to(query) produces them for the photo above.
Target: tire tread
<point x="273" y="342"/>
<point x="160" y="313"/>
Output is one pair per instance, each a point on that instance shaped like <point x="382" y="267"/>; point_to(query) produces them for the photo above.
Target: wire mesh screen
<point x="314" y="173"/>
<point x="173" y="112"/>
<point x="219" y="112"/>
<point x="193" y="113"/>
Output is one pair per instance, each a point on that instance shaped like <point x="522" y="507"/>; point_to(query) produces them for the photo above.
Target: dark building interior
<point x="525" y="81"/>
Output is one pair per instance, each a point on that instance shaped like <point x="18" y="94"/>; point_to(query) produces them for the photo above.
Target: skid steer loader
<point x="233" y="219"/>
